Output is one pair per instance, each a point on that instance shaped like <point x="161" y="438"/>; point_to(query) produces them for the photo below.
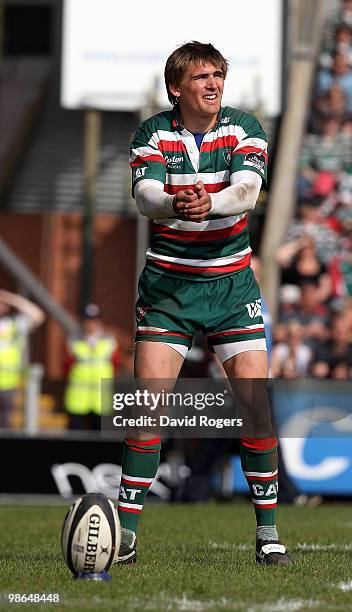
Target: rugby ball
<point x="90" y="534"/>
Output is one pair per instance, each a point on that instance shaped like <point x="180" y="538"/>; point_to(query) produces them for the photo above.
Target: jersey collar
<point x="177" y="125"/>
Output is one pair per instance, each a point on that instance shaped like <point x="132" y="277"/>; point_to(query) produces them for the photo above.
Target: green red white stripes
<point x="129" y="507"/>
<point x="205" y="235"/>
<point x="216" y="266"/>
<point x="237" y="333"/>
<point x="258" y="476"/>
<point x="139" y="466"/>
<point x="163" y="150"/>
<point x="145" y="332"/>
<point x="263" y="484"/>
<point x="261" y="471"/>
<point x="136" y="481"/>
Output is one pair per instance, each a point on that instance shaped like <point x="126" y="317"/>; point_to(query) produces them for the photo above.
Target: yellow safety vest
<point x="92" y="364"/>
<point x="11" y="349"/>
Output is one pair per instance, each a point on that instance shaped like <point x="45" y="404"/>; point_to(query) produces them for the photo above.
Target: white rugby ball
<point x="90" y="534"/>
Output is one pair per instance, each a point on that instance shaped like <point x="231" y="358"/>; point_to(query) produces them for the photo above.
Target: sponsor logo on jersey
<point x="254" y="308"/>
<point x="227" y="156"/>
<point x="256" y="160"/>
<point x="174" y="161"/>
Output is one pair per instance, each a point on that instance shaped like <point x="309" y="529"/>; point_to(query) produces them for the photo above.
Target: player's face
<point x="200" y="90"/>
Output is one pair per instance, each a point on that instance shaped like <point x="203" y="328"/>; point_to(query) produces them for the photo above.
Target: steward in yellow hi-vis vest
<point x="91" y="357"/>
<point x="11" y="351"/>
<point x="18" y="318"/>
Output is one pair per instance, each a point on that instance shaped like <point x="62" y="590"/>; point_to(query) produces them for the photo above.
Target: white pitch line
<point x="345" y="586"/>
<point x="287" y="605"/>
<point x="230" y="546"/>
<point x="186" y="604"/>
<point x="323" y="547"/>
<point x="303" y="546"/>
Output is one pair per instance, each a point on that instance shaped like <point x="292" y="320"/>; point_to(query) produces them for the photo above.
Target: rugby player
<point x="197" y="171"/>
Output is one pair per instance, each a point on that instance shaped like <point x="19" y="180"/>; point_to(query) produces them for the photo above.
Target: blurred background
<point x="76" y="79"/>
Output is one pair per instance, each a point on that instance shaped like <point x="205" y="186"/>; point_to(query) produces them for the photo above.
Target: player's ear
<point x="175" y="90"/>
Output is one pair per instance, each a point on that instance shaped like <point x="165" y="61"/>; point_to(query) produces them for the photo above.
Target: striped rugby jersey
<point x="164" y="150"/>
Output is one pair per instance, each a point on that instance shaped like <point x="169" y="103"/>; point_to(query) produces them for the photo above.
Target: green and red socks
<point x="260" y="467"/>
<point x="140" y="463"/>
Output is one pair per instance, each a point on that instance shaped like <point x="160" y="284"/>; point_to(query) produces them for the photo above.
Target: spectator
<point x="327" y="151"/>
<point x="341" y="371"/>
<point x="331" y="356"/>
<point x="92" y="356"/>
<point x="347" y="131"/>
<point x="339" y="74"/>
<point x="332" y="103"/>
<point x="316" y="257"/>
<point x="312" y="223"/>
<point x="311" y="313"/>
<point x="291" y="359"/>
<point x="18" y="318"/>
<point x="343" y="16"/>
<point x="341" y="274"/>
<point x="299" y="264"/>
<point x="342" y="43"/>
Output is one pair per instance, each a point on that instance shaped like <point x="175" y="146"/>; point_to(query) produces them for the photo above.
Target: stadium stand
<point x="50" y="176"/>
<point x="314" y="332"/>
<point x="25" y="82"/>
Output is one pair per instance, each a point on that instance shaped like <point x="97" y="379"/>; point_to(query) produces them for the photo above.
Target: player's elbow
<point x="248" y="194"/>
<point x="143" y="208"/>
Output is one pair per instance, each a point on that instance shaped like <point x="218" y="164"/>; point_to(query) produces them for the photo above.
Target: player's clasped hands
<point x="193" y="204"/>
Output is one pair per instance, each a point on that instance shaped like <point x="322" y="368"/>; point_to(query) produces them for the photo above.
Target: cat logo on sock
<point x="129" y="494"/>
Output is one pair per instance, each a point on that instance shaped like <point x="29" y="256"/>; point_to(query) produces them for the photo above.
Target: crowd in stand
<point x="314" y="334"/>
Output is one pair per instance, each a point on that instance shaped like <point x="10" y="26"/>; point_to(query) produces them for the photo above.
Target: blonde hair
<point x="192" y="52"/>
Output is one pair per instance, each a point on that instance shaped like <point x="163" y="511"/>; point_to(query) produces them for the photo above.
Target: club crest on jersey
<point x="254" y="309"/>
<point x="225" y="120"/>
<point x="227" y="156"/>
<point x="256" y="160"/>
<point x="141" y="311"/>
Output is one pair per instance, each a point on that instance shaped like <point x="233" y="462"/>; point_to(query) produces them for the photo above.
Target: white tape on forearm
<point x="240" y="197"/>
<point x="152" y="201"/>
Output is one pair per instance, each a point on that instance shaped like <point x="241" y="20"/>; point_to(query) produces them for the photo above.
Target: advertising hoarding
<point x="113" y="53"/>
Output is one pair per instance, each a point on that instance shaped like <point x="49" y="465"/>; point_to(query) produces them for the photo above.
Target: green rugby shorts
<point x="226" y="309"/>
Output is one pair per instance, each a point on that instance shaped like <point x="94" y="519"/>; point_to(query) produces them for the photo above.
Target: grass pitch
<point x="191" y="558"/>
